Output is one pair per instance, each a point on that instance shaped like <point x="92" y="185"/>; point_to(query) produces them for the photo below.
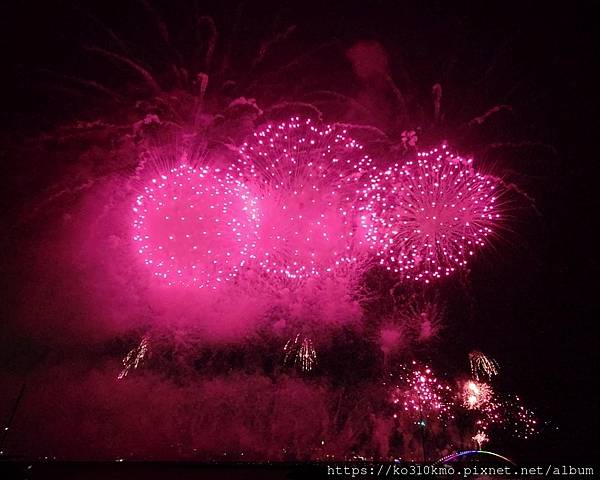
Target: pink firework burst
<point x="422" y="395"/>
<point x="307" y="178"/>
<point x="476" y="395"/>
<point x="195" y="226"/>
<point x="425" y="218"/>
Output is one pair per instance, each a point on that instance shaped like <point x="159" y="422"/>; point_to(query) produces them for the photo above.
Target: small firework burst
<point x="135" y="356"/>
<point x="307" y="178"/>
<point x="195" y="226"/>
<point x="426" y="217"/>
<point x="480" y="438"/>
<point x="424" y="319"/>
<point x="422" y="395"/>
<point x="522" y="422"/>
<point x="300" y="352"/>
<point x="476" y="395"/>
<point x="482" y="365"/>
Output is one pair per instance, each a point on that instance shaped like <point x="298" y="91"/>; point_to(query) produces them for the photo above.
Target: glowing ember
<point x="425" y="218"/>
<point x="301" y="352"/>
<point x="482" y="365"/>
<point x="476" y="395"/>
<point x="308" y="178"/>
<point x="134" y="357"/>
<point x="195" y="226"/>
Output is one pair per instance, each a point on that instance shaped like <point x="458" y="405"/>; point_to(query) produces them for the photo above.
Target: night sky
<point x="529" y="301"/>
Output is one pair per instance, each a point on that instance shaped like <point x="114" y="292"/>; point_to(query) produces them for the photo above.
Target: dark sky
<point x="534" y="300"/>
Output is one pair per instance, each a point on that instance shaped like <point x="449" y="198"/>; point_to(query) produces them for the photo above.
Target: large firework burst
<point x="194" y="226"/>
<point x="307" y="177"/>
<point x="426" y="217"/>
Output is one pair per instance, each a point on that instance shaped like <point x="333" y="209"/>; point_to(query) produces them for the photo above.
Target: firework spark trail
<point x="482" y="365"/>
<point x="300" y="351"/>
<point x="195" y="226"/>
<point x="135" y="356"/>
<point x="425" y="218"/>
<point x="307" y="178"/>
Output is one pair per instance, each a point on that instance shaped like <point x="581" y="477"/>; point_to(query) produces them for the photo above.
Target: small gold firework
<point x="135" y="356"/>
<point x="301" y="352"/>
<point x="482" y="364"/>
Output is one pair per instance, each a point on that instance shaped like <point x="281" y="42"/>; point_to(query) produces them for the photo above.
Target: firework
<point x="422" y="395"/>
<point x="476" y="395"/>
<point x="482" y="365"/>
<point x="195" y="226"/>
<point x="522" y="422"/>
<point x="300" y="352"/>
<point x="506" y="413"/>
<point x="134" y="357"/>
<point x="480" y="438"/>
<point x="426" y="217"/>
<point x="307" y="178"/>
<point x="423" y="319"/>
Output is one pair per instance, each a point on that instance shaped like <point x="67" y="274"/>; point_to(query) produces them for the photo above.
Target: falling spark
<point x="482" y="364"/>
<point x="134" y="357"/>
<point x="301" y="352"/>
<point x="426" y="217"/>
<point x="195" y="226"/>
<point x="307" y="178"/>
